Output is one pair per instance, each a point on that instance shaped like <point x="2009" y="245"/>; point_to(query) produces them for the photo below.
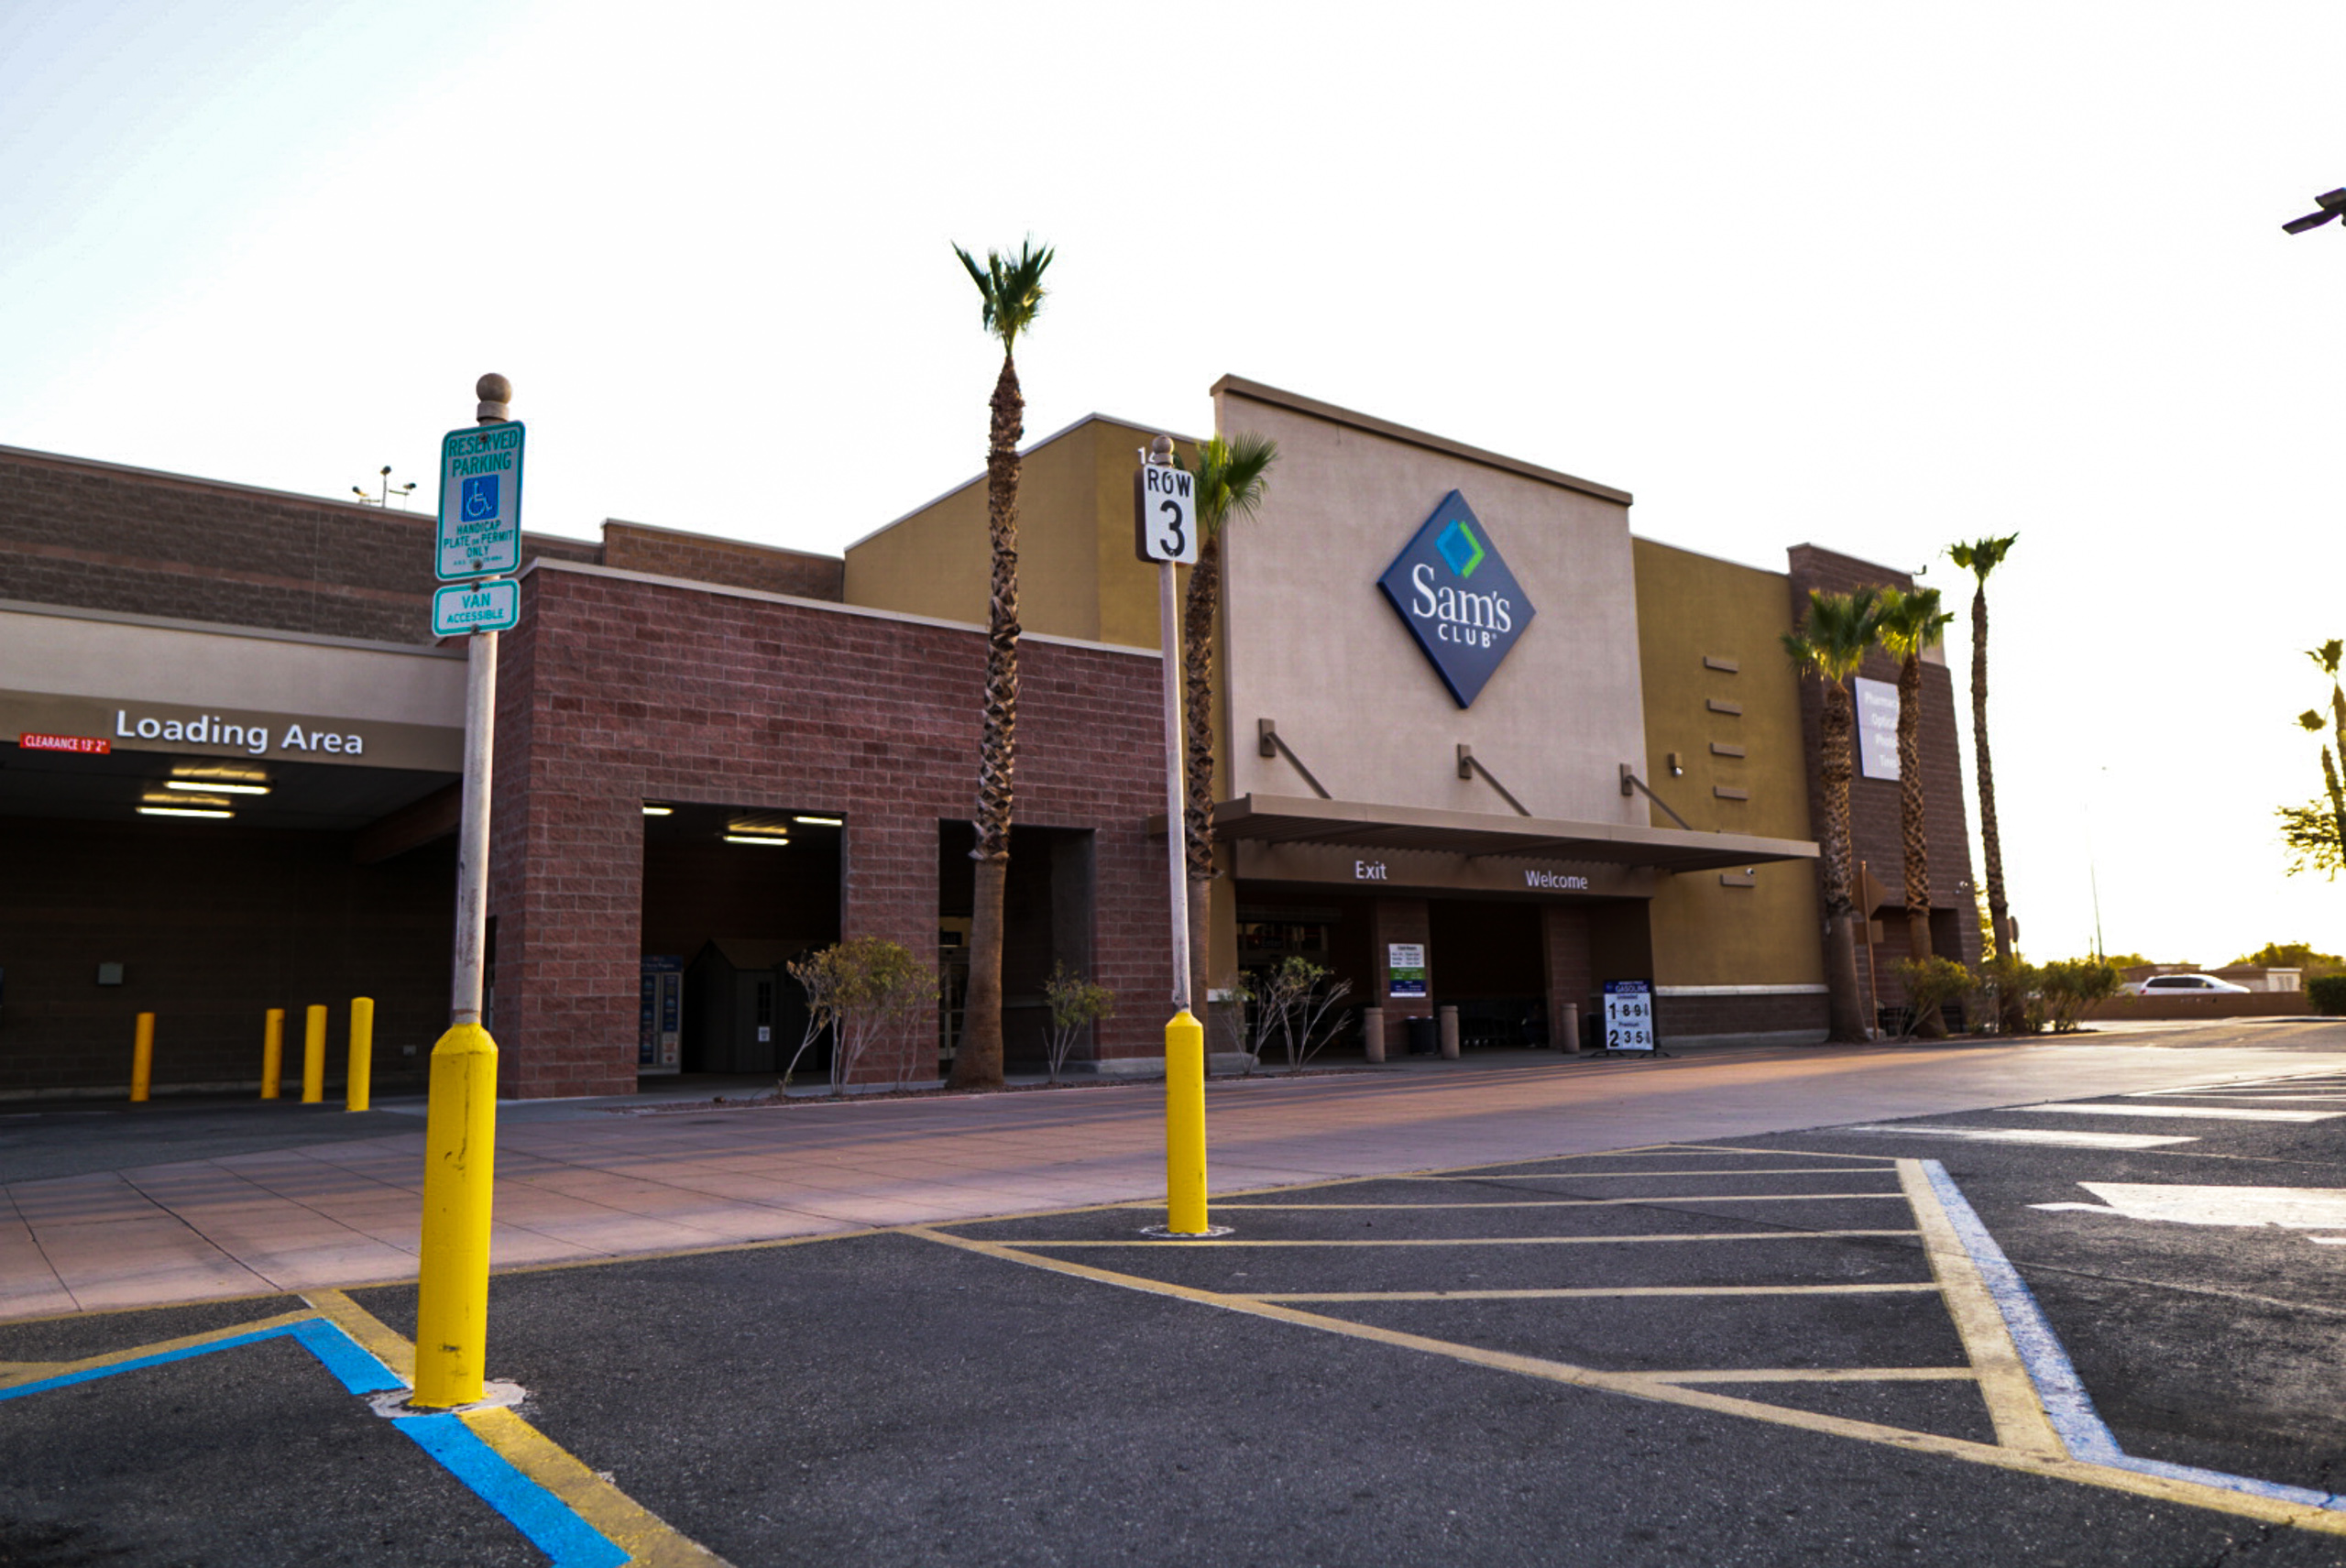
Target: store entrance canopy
<point x="1299" y="820"/>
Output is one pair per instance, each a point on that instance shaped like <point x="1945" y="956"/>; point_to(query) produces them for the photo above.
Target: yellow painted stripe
<point x="1594" y="1293"/>
<point x="374" y="1334"/>
<point x="16" y="1372"/>
<point x="2189" y="1494"/>
<point x="1822" y="1375"/>
<point x="2019" y="1414"/>
<point x="1169" y="1243"/>
<point x="1881" y="1170"/>
<point x="645" y="1537"/>
<point x="1579" y="1202"/>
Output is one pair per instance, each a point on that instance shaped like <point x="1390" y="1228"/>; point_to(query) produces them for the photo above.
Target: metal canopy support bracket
<point x="1469" y="766"/>
<point x="1268" y="743"/>
<point x="1631" y="785"/>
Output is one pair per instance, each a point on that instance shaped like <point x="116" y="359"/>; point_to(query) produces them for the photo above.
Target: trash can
<point x="1425" y="1036"/>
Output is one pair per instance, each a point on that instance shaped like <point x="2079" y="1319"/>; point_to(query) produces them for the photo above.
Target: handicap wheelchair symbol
<point x="480" y="498"/>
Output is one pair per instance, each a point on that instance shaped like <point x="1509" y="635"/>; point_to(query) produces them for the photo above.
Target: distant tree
<point x="1980" y="557"/>
<point x="2290" y="954"/>
<point x="1011" y="287"/>
<point x="1831" y="644"/>
<point x="2129" y="960"/>
<point x="2316" y="832"/>
<point x="1910" y="623"/>
<point x="1232" y="476"/>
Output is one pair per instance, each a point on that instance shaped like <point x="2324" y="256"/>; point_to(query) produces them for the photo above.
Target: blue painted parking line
<point x="2070" y="1409"/>
<point x="549" y="1523"/>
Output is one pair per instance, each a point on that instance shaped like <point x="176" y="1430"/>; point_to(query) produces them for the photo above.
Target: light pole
<point x="2330" y="204"/>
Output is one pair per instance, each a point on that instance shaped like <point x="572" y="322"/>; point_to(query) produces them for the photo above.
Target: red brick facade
<point x="618" y="690"/>
<point x="1876" y="837"/>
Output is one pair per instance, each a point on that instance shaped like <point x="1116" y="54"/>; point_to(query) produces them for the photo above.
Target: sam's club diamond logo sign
<point x="1454" y="593"/>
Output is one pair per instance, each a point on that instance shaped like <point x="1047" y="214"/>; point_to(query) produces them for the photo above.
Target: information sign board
<point x="480" y="501"/>
<point x="1164" y="514"/>
<point x="1628" y="1015"/>
<point x="1877" y="704"/>
<point x="1405" y="966"/>
<point x="460" y="608"/>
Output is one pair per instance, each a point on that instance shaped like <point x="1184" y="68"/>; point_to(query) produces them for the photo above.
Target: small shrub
<point x="2071" y="985"/>
<point x="861" y="990"/>
<point x="2327" y="992"/>
<point x="1931" y="982"/>
<point x="1075" y="1005"/>
<point x="2014" y="981"/>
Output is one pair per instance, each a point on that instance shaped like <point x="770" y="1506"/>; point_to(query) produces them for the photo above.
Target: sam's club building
<point x="1479" y="746"/>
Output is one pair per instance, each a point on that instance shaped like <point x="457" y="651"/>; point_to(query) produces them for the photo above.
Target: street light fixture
<point x="2331" y="202"/>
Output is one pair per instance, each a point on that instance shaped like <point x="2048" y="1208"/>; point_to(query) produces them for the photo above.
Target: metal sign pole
<point x="1176" y="818"/>
<point x="460" y="1124"/>
<point x="1165" y="516"/>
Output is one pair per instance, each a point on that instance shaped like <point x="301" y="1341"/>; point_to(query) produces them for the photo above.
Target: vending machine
<point x="660" y="1029"/>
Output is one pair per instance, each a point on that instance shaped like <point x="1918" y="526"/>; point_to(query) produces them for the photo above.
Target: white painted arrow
<point x="2288" y="1207"/>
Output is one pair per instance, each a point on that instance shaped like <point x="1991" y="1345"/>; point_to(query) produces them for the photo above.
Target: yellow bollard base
<point x="1162" y="1233"/>
<point x="459" y="1182"/>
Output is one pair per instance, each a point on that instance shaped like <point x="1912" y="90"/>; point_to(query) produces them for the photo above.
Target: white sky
<point x="1877" y="277"/>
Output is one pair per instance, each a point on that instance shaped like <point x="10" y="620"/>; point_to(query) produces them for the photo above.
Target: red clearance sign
<point x="93" y="745"/>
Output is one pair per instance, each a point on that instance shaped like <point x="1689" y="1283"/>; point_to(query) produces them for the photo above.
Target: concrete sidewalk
<point x="580" y="1182"/>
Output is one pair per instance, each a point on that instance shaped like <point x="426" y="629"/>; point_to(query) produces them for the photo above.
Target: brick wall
<point x="1696" y="1017"/>
<point x="1875" y="834"/>
<point x="616" y="690"/>
<point x="97" y="536"/>
<point x="661" y="552"/>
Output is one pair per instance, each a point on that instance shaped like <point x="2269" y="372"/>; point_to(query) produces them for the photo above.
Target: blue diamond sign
<point x="1452" y="590"/>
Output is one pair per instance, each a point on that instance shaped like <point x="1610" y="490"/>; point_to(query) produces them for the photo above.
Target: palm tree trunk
<point x="977" y="1063"/>
<point x="1991" y="853"/>
<point x="1846" y="1007"/>
<point x="1930" y="1025"/>
<point x="1204" y="601"/>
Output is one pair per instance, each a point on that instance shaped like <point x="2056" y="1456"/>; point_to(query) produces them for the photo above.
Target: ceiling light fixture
<point x="214" y="787"/>
<point x="183" y="811"/>
<point x="822" y="821"/>
<point x="652" y="810"/>
<point x="771" y="840"/>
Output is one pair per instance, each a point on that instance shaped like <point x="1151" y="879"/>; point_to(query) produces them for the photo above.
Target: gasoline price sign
<point x="1164" y="514"/>
<point x="1628" y="1015"/>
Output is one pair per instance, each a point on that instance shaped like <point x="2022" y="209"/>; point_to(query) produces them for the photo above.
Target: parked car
<point x="2185" y="985"/>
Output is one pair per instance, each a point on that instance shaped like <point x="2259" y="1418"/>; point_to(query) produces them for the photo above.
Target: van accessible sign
<point x="1453" y="591"/>
<point x="480" y="501"/>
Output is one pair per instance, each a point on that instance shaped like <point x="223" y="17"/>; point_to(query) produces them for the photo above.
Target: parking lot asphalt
<point x="1977" y="1337"/>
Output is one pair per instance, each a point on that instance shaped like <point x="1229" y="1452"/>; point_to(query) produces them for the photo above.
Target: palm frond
<point x="1982" y="556"/>
<point x="1832" y="642"/>
<point x="1012" y="287"/>
<point x="1232" y="478"/>
<point x="2327" y="656"/>
<point x="1912" y="622"/>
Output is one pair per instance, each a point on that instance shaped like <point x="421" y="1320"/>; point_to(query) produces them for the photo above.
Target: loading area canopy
<point x="1301" y="819"/>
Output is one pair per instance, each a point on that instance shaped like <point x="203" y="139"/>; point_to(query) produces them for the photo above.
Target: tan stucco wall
<point x="1076" y="573"/>
<point x="1690" y="608"/>
<point x="1317" y="648"/>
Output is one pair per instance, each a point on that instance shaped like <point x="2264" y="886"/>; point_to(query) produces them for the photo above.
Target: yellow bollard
<point x="142" y="1059"/>
<point x="272" y="1053"/>
<point x="313" y="1058"/>
<point x="1185" y="1125"/>
<point x="459" y="1176"/>
<point x="358" y="1087"/>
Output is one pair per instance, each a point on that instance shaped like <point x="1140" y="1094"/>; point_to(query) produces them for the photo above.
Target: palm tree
<point x="1910" y="622"/>
<point x="1980" y="557"/>
<point x="1232" y="476"/>
<point x="1831" y="644"/>
<point x="1012" y="291"/>
<point x="2328" y="656"/>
